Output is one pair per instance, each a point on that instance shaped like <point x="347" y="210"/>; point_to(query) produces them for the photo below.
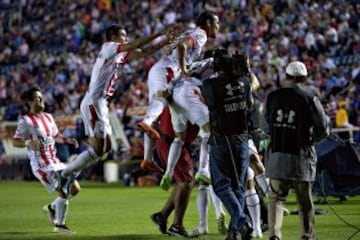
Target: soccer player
<point x="186" y="49"/>
<point x="183" y="176"/>
<point x="94" y="110"/>
<point x="37" y="131"/>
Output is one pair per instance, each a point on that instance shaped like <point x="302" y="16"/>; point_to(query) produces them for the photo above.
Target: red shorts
<point x="183" y="171"/>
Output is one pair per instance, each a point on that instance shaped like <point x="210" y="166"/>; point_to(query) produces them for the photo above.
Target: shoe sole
<point x="151" y="132"/>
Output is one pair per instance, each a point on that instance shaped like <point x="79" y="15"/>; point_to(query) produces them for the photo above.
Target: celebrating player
<point x="38" y="132"/>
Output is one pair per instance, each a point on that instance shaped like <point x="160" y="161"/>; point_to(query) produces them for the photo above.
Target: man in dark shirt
<point x="296" y="121"/>
<point x="228" y="97"/>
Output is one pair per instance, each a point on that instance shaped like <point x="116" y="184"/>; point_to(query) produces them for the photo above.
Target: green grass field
<point x="109" y="211"/>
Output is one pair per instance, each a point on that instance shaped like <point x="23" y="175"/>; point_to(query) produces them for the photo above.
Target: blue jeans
<point x="229" y="162"/>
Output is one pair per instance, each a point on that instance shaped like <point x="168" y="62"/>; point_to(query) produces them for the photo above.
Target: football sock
<point x="83" y="160"/>
<point x="148" y="148"/>
<point x="216" y="202"/>
<point x="202" y="203"/>
<point x="253" y="205"/>
<point x="174" y="155"/>
<point x="60" y="206"/>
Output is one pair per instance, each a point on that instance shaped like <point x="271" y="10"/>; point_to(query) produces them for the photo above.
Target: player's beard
<point x="40" y="108"/>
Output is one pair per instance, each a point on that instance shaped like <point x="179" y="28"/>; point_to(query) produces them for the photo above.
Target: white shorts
<point x="187" y="106"/>
<point x="160" y="74"/>
<point x="252" y="147"/>
<point x="95" y="116"/>
<point x="250" y="173"/>
<point x="47" y="176"/>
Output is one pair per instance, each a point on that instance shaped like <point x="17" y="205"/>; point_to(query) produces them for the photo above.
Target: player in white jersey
<point x="94" y="110"/>
<point x="186" y="49"/>
<point x="38" y="132"/>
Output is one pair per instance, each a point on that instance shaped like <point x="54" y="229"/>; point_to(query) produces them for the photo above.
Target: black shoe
<point x="233" y="236"/>
<point x="274" y="238"/>
<point x="160" y="221"/>
<point x="246" y="231"/>
<point x="264" y="227"/>
<point x="178" y="231"/>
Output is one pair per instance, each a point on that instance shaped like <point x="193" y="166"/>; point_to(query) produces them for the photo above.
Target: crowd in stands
<point x="54" y="44"/>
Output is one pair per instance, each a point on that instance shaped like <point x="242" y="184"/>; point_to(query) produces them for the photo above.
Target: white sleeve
<point x="54" y="128"/>
<point x="22" y="131"/>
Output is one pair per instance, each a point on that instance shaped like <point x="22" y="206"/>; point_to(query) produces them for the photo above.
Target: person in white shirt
<point x="94" y="110"/>
<point x="38" y="131"/>
<point x="186" y="49"/>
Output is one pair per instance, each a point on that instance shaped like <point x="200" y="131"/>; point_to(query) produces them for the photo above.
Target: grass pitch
<point x="109" y="211"/>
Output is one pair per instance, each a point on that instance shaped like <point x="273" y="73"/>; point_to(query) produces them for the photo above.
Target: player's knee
<point x="178" y="140"/>
<point x="75" y="189"/>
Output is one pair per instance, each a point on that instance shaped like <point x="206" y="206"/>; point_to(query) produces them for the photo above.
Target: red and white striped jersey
<point x="103" y="73"/>
<point x="41" y="127"/>
<point x="198" y="38"/>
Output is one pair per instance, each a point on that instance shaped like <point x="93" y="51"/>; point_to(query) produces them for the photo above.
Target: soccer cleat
<point x="246" y="231"/>
<point x="160" y="221"/>
<point x="149" y="130"/>
<point x="151" y="166"/>
<point x="264" y="227"/>
<point x="202" y="178"/>
<point x="62" y="229"/>
<point x="274" y="238"/>
<point x="165" y="182"/>
<point x="47" y="210"/>
<point x="198" y="231"/>
<point x="177" y="231"/>
<point x="256" y="233"/>
<point x="221" y="225"/>
<point x="233" y="236"/>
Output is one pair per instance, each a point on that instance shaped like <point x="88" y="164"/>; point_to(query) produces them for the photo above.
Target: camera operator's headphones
<point x="223" y="61"/>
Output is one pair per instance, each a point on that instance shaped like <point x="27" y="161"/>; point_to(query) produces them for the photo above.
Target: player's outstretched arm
<point x="140" y="42"/>
<point x="140" y="53"/>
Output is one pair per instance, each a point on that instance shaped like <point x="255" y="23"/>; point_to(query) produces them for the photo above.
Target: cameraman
<point x="228" y="97"/>
<point x="296" y="120"/>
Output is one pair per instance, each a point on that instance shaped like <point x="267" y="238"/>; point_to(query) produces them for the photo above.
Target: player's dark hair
<point x="204" y="17"/>
<point x="28" y="95"/>
<point x="111" y="31"/>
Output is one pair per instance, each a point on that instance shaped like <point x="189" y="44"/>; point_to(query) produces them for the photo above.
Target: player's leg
<point x="203" y="174"/>
<point x="219" y="212"/>
<point x="183" y="178"/>
<point x="147" y="163"/>
<point x="179" y="125"/>
<point x="253" y="204"/>
<point x="158" y="92"/>
<point x="188" y="98"/>
<point x="202" y="204"/>
<point x="258" y="167"/>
